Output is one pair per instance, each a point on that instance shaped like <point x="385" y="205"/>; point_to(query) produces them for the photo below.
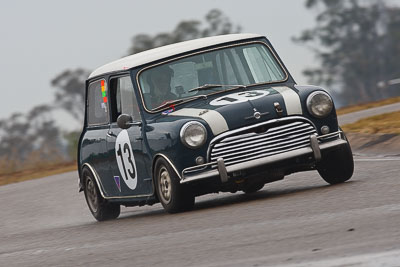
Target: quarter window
<point x="97" y="111"/>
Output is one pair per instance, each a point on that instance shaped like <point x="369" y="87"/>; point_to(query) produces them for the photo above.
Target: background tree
<point x="70" y="84"/>
<point x="35" y="137"/>
<point x="30" y="139"/>
<point x="357" y="44"/>
<point x="70" y="92"/>
<point x="216" y="23"/>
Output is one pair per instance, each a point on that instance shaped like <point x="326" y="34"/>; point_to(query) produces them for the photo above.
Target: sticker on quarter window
<point x="125" y="159"/>
<point x="103" y="91"/>
<point x="103" y="95"/>
<point x="238" y="97"/>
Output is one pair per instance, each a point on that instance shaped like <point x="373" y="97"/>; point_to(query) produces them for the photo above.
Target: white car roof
<point x="168" y="50"/>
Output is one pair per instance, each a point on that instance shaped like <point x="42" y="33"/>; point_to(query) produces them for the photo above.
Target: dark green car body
<point x="261" y="131"/>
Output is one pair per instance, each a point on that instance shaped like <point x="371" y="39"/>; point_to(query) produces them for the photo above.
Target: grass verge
<point x="388" y="123"/>
<point x="34" y="173"/>
<point x="374" y="104"/>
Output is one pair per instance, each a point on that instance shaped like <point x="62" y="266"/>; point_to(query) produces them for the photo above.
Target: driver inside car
<point x="159" y="81"/>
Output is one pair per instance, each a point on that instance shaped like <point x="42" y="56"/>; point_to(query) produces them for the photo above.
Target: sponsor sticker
<point x="166" y="112"/>
<point x="117" y="182"/>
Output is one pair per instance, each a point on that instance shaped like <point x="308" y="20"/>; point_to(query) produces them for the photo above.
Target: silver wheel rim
<point x="164" y="185"/>
<point x="91" y="194"/>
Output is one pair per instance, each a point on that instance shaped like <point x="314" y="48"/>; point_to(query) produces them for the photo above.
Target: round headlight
<point x="193" y="134"/>
<point x="319" y="104"/>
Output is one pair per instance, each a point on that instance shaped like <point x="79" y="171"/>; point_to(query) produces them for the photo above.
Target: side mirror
<point x="125" y="121"/>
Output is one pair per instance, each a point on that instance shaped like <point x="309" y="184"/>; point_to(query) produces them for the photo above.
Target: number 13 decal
<point x="125" y="159"/>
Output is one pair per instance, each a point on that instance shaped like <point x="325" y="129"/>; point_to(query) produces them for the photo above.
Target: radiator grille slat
<point x="264" y="146"/>
<point x="264" y="139"/>
<point x="271" y="131"/>
<point x="258" y="143"/>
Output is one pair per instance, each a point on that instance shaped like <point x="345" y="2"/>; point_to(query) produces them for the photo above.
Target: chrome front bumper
<point x="203" y="171"/>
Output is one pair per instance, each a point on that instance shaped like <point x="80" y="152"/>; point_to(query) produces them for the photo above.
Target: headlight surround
<point x="193" y="134"/>
<point x="319" y="104"/>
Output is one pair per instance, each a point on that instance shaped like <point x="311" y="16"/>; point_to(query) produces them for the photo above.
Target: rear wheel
<point x="173" y="196"/>
<point x="337" y="166"/>
<point x="101" y="209"/>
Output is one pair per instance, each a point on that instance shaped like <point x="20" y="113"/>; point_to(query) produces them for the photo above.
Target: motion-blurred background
<point x="48" y="48"/>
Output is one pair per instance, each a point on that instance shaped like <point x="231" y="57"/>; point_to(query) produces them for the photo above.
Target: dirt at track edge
<point x="375" y="144"/>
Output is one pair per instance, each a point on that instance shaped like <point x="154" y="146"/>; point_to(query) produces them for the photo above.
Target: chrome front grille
<point x="258" y="143"/>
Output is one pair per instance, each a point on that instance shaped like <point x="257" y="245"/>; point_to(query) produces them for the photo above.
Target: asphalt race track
<point x="300" y="221"/>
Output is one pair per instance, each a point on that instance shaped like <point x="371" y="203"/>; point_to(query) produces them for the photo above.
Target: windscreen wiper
<point x="210" y="86"/>
<point x="168" y="104"/>
<point x="171" y="103"/>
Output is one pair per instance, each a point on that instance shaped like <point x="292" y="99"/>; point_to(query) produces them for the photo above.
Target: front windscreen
<point x="210" y="72"/>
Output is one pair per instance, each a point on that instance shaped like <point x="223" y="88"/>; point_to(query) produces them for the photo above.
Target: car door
<point x="94" y="146"/>
<point x="127" y="156"/>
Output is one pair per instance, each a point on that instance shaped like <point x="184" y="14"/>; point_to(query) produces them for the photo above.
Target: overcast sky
<point x="40" y="39"/>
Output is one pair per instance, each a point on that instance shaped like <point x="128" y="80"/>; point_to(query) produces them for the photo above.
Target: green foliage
<point x="357" y="43"/>
<point x="216" y="23"/>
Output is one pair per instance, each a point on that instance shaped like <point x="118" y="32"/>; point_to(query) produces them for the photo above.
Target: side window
<point x="97" y="110"/>
<point x="123" y="98"/>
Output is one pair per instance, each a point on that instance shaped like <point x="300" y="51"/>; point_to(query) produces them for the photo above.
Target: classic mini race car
<point x="217" y="114"/>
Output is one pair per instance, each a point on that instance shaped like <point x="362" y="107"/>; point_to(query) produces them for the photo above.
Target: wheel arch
<point x="159" y="155"/>
<point x="96" y="178"/>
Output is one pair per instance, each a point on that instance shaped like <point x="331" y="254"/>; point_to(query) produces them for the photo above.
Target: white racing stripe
<point x="214" y="119"/>
<point x="291" y="98"/>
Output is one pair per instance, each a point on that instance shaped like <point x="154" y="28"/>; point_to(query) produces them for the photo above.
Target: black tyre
<point x="337" y="166"/>
<point x="173" y="196"/>
<point x="101" y="209"/>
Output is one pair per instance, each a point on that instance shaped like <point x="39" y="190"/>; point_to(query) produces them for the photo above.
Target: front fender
<point x="164" y="141"/>
<point x="331" y="120"/>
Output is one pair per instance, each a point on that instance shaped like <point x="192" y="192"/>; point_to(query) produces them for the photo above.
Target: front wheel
<point x="337" y="166"/>
<point x="101" y="209"/>
<point x="173" y="196"/>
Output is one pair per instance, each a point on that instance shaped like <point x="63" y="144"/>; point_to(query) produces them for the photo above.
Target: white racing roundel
<point x="238" y="97"/>
<point x="125" y="159"/>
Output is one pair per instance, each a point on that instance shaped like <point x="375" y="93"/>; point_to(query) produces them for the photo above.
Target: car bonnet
<point x="239" y="108"/>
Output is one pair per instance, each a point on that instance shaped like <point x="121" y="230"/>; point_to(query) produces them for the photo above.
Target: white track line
<point x="378" y="159"/>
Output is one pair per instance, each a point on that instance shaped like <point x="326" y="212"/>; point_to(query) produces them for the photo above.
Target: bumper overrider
<point x="312" y="147"/>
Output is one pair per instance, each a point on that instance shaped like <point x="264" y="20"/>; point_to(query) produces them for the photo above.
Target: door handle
<point x="111" y="134"/>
